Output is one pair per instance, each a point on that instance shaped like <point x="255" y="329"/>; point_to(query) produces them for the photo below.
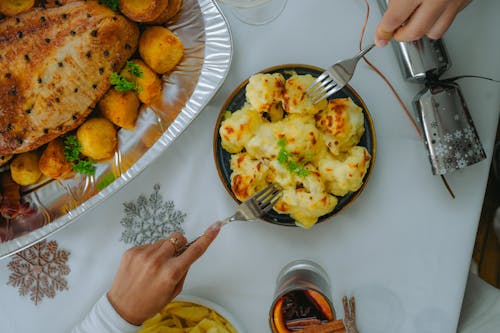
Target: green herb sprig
<point x="113" y="4"/>
<point x="105" y="181"/>
<point x="134" y="69"/>
<point x="288" y="160"/>
<point x="72" y="152"/>
<point x="122" y="84"/>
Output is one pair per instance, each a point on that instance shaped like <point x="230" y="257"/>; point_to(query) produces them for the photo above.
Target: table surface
<point x="402" y="249"/>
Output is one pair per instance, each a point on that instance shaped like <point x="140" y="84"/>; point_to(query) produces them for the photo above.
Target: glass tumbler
<point x="256" y="12"/>
<point x="301" y="298"/>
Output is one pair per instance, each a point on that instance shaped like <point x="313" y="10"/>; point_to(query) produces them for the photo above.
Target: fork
<point x="252" y="208"/>
<point x="335" y="77"/>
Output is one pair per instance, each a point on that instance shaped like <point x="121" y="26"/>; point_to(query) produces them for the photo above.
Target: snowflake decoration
<point x="441" y="149"/>
<point x="461" y="163"/>
<point x="448" y="137"/>
<point x="469" y="133"/>
<point x="150" y="219"/>
<point x="458" y="134"/>
<point x="39" y="271"/>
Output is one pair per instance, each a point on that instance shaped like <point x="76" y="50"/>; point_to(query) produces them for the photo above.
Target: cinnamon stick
<point x="336" y="326"/>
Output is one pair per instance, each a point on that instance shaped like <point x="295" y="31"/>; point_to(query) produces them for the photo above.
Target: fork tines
<point x="321" y="88"/>
<point x="267" y="198"/>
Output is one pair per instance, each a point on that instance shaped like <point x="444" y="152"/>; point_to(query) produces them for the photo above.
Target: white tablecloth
<point x="402" y="249"/>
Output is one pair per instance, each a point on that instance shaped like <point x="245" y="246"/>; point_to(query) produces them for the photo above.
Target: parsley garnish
<point x="121" y="83"/>
<point x="134" y="69"/>
<point x="113" y="4"/>
<point x="72" y="152"/>
<point x="286" y="158"/>
<point x="85" y="167"/>
<point x="72" y="148"/>
<point x="105" y="181"/>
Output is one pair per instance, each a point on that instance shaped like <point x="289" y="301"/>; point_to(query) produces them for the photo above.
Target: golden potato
<point x="98" y="139"/>
<point x="148" y="84"/>
<point x="24" y="168"/>
<point x="5" y="159"/>
<point x="173" y="7"/>
<point x="160" y="49"/>
<point x="142" y="10"/>
<point x="122" y="108"/>
<point x="53" y="163"/>
<point x="14" y="7"/>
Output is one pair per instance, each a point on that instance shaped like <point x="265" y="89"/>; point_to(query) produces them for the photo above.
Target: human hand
<point x="150" y="276"/>
<point x="420" y="17"/>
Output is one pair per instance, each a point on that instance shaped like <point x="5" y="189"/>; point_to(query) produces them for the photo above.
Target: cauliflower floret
<point x="265" y="90"/>
<point x="239" y="128"/>
<point x="342" y="124"/>
<point x="300" y="135"/>
<point x="248" y="176"/>
<point x="346" y="174"/>
<point x="306" y="200"/>
<point x="296" y="100"/>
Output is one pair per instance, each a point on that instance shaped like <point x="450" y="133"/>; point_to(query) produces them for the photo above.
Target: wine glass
<point x="256" y="12"/>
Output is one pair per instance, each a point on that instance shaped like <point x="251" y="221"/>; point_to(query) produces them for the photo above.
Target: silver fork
<point x="335" y="77"/>
<point x="252" y="208"/>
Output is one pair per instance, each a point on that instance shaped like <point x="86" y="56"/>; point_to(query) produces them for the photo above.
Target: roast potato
<point x="14" y="7"/>
<point x="173" y="7"/>
<point x="148" y="85"/>
<point x="160" y="49"/>
<point x="142" y="10"/>
<point x="4" y="159"/>
<point x="122" y="108"/>
<point x="98" y="138"/>
<point x="24" y="168"/>
<point x="53" y="163"/>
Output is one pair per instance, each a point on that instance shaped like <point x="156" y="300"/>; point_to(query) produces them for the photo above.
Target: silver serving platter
<point x="186" y="91"/>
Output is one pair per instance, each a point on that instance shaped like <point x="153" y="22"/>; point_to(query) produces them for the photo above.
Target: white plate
<point x="216" y="307"/>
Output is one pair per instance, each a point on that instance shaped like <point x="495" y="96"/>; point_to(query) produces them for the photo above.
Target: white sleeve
<point x="103" y="318"/>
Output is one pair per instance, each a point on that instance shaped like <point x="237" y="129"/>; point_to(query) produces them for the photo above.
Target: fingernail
<point x="215" y="227"/>
<point x="381" y="42"/>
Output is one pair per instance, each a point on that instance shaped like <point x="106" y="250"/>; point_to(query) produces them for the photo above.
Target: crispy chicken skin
<point x="54" y="67"/>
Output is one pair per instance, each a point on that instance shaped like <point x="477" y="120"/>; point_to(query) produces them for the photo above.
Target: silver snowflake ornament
<point x="39" y="271"/>
<point x="150" y="219"/>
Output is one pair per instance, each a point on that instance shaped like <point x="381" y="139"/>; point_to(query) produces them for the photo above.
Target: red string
<point x="386" y="80"/>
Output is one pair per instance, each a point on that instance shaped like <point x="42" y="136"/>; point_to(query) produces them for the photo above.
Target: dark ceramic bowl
<point x="235" y="102"/>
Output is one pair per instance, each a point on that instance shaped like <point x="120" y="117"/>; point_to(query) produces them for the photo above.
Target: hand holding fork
<point x="253" y="208"/>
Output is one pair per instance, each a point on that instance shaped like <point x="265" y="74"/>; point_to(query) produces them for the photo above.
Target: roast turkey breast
<point x="55" y="65"/>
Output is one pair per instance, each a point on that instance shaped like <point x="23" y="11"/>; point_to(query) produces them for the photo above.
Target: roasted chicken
<point x="55" y="65"/>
